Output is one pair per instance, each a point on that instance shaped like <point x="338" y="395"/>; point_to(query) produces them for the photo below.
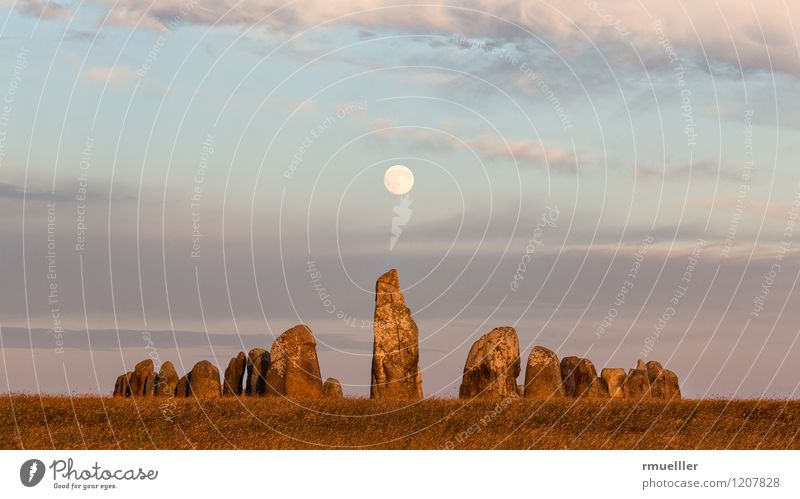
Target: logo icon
<point x="31" y="472"/>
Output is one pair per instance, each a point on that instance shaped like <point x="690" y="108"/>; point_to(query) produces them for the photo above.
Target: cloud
<point x="525" y="153"/>
<point x="756" y="35"/>
<point x="116" y="76"/>
<point x="43" y="10"/>
<point x="63" y="192"/>
<point x="681" y="171"/>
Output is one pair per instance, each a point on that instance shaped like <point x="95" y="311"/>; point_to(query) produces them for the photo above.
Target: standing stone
<point x="142" y="381"/>
<point x="204" y="380"/>
<point x="673" y="389"/>
<point x="543" y="374"/>
<point x="182" y="388"/>
<point x="654" y="370"/>
<point x="615" y="378"/>
<point x="578" y="375"/>
<point x="655" y="375"/>
<point x="636" y="386"/>
<point x="658" y="388"/>
<point x="332" y="389"/>
<point x="167" y="380"/>
<point x="492" y="366"/>
<point x="122" y="387"/>
<point x="598" y="389"/>
<point x="521" y="390"/>
<point x="641" y="365"/>
<point x="257" y="367"/>
<point x="294" y="370"/>
<point x="234" y="374"/>
<point x="395" y="353"/>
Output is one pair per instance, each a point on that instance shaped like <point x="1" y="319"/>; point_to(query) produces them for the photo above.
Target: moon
<point x="398" y="179"/>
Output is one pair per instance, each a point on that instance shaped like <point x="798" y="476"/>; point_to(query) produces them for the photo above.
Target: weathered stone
<point x="636" y="386"/>
<point x="658" y="388"/>
<point x="395" y="354"/>
<point x="492" y="366"/>
<point x="122" y="387"/>
<point x="332" y="389"/>
<point x="641" y="365"/>
<point x="182" y="388"/>
<point x="598" y="389"/>
<point x="142" y="381"/>
<point x="656" y="374"/>
<point x="654" y="370"/>
<point x="204" y="380"/>
<point x="673" y="389"/>
<point x="258" y="362"/>
<point x="521" y="390"/>
<point x="578" y="375"/>
<point x="234" y="374"/>
<point x="294" y="369"/>
<point x="543" y="374"/>
<point x="615" y="379"/>
<point x="167" y="380"/>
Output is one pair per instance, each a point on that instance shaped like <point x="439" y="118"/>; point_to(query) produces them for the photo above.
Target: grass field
<point x="257" y="423"/>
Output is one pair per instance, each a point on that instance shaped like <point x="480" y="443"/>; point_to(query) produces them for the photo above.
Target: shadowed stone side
<point x="492" y="366"/>
<point x="258" y="361"/>
<point x="122" y="387"/>
<point x="234" y="374"/>
<point x="395" y="354"/>
<point x="182" y="388"/>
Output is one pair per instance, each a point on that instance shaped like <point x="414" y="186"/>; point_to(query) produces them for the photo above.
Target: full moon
<point x="398" y="179"/>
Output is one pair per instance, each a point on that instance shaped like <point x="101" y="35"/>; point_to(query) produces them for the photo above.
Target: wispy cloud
<point x="43" y="10"/>
<point x="525" y="153"/>
<point x="115" y="76"/>
<point x="755" y="35"/>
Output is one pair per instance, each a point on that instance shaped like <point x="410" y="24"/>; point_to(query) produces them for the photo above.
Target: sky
<point x="187" y="179"/>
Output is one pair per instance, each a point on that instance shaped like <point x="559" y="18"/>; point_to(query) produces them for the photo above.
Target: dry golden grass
<point x="259" y="423"/>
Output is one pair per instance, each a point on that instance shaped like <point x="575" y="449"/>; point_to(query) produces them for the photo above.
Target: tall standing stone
<point x="395" y="353"/>
<point x="258" y="362"/>
<point x="234" y="374"/>
<point x="492" y="366"/>
<point x="294" y="368"/>
<point x="615" y="378"/>
<point x="543" y="374"/>
<point x="142" y="381"/>
<point x="167" y="380"/>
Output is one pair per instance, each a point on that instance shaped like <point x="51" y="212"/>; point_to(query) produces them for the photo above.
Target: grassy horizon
<point x="94" y="422"/>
